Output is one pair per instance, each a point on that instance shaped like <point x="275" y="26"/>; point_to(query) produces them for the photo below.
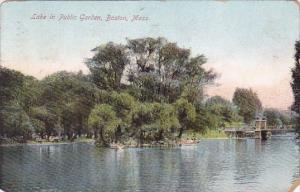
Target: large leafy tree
<point x="248" y="103"/>
<point x="142" y="121"/>
<point x="104" y="121"/>
<point x="186" y="114"/>
<point x="162" y="71"/>
<point x="15" y="100"/>
<point x="11" y="85"/>
<point x="67" y="98"/>
<point x="155" y="122"/>
<point x="124" y="105"/>
<point x="107" y="65"/>
<point x="296" y="83"/>
<point x="156" y="70"/>
<point x="224" y="110"/>
<point x="273" y="117"/>
<point x="166" y="121"/>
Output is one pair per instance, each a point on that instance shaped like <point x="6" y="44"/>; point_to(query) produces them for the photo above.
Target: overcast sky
<point x="249" y="43"/>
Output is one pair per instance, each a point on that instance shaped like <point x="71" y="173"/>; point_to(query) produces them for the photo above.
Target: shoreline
<point x="45" y="143"/>
<point x="30" y="143"/>
<point x="146" y="145"/>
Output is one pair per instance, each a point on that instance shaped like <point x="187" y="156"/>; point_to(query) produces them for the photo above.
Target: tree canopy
<point x="295" y="84"/>
<point x="146" y="90"/>
<point x="248" y="103"/>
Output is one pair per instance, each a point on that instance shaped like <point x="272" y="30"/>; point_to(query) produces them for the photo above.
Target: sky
<point x="249" y="44"/>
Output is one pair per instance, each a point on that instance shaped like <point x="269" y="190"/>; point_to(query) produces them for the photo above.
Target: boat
<point x="189" y="142"/>
<point x="116" y="146"/>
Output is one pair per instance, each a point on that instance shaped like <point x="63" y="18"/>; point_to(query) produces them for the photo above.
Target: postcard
<point x="150" y="96"/>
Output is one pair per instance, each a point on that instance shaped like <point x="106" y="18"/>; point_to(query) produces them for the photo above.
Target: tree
<point x="248" y="103"/>
<point x="68" y="99"/>
<point x="162" y="71"/>
<point x="104" y="121"/>
<point x="223" y="109"/>
<point x="146" y="89"/>
<point x="44" y="120"/>
<point x="295" y="84"/>
<point x="107" y="65"/>
<point x="142" y="121"/>
<point x="14" y="119"/>
<point x="11" y="83"/>
<point x="186" y="114"/>
<point x="124" y="106"/>
<point x="156" y="69"/>
<point x="16" y="122"/>
<point x="206" y="120"/>
<point x="273" y="117"/>
<point x="165" y="120"/>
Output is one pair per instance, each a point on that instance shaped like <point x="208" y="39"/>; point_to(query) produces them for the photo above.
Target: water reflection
<point x="212" y="165"/>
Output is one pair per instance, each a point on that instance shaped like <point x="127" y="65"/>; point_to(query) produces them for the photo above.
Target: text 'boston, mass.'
<point x="88" y="17"/>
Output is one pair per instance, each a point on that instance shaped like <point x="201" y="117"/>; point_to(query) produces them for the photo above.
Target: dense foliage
<point x="277" y="118"/>
<point x="248" y="103"/>
<point x="148" y="90"/>
<point x="296" y="83"/>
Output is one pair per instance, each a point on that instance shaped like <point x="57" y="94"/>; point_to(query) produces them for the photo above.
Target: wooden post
<point x="257" y="129"/>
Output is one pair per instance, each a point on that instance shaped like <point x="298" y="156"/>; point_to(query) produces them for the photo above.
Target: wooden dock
<point x="256" y="133"/>
<point x="260" y="130"/>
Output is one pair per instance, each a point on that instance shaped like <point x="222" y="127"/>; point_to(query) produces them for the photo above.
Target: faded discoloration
<point x="222" y="1"/>
<point x="297" y="2"/>
<point x="295" y="187"/>
<point x="7" y="1"/>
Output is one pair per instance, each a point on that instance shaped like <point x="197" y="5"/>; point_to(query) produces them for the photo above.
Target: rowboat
<point x="116" y="146"/>
<point x="189" y="142"/>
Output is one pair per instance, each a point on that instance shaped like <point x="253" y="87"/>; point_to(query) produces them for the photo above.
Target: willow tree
<point x="124" y="105"/>
<point x="104" y="122"/>
<point x="186" y="114"/>
<point x="166" y="121"/>
<point x="155" y="122"/>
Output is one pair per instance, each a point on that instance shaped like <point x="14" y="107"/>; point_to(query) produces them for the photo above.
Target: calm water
<point x="212" y="165"/>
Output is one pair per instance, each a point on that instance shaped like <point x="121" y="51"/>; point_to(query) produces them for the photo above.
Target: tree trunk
<point x="102" y="142"/>
<point x="118" y="133"/>
<point x="141" y="138"/>
<point x="180" y="132"/>
<point x="95" y="134"/>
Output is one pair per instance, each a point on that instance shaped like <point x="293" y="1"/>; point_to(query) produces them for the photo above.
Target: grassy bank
<point x="209" y="134"/>
<point x="77" y="140"/>
<point x="11" y="142"/>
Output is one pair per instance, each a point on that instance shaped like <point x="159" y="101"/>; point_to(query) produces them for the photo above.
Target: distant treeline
<point x="147" y="90"/>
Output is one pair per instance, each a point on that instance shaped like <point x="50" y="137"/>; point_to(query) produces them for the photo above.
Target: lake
<point x="213" y="165"/>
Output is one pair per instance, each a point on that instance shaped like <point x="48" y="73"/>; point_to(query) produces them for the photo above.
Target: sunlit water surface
<point x="212" y="165"/>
